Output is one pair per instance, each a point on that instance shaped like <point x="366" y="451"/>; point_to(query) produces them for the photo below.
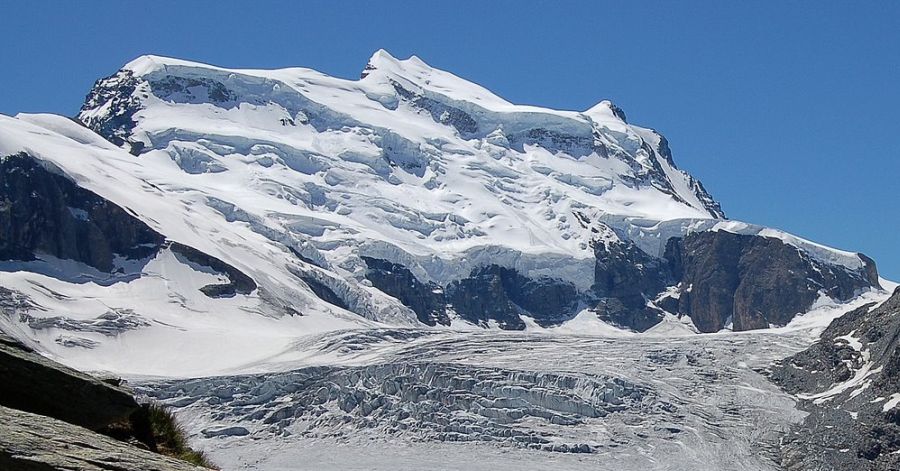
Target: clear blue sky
<point x="789" y="112"/>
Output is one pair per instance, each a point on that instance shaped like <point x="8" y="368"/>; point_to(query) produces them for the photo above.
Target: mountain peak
<point x="412" y="68"/>
<point x="382" y="56"/>
<point x="148" y="63"/>
<point x="606" y="109"/>
<point x="383" y="59"/>
<point x="380" y="60"/>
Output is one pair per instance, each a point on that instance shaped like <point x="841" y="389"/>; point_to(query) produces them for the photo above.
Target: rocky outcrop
<point x="849" y="382"/>
<point x="625" y="278"/>
<point x="324" y="292"/>
<point x="753" y="282"/>
<point x="42" y="211"/>
<point x="718" y="279"/>
<point x="115" y="93"/>
<point x="442" y="113"/>
<point x="238" y="281"/>
<point x="425" y="299"/>
<point x="56" y="418"/>
<point x="490" y="293"/>
<point x="32" y="442"/>
<point x="713" y="206"/>
<point x="485" y="296"/>
<point x="35" y="384"/>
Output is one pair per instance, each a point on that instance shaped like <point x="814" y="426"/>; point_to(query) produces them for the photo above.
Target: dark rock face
<point x="502" y="294"/>
<point x="324" y="292"/>
<point x="483" y="296"/>
<point x="41" y="211"/>
<point x="31" y="442"/>
<point x="120" y="95"/>
<point x="708" y="201"/>
<point x="425" y="299"/>
<point x="488" y="293"/>
<point x="192" y="90"/>
<point x="711" y="205"/>
<point x="618" y="112"/>
<point x="753" y="281"/>
<point x="625" y="278"/>
<point x="239" y="282"/>
<point x="847" y="380"/>
<point x="717" y="278"/>
<point x="549" y="300"/>
<point x="444" y="114"/>
<point x="35" y="384"/>
<point x="553" y="141"/>
<point x="117" y="93"/>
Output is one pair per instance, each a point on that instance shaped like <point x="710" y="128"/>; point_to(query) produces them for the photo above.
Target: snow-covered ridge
<point x="407" y="103"/>
<point x="409" y="155"/>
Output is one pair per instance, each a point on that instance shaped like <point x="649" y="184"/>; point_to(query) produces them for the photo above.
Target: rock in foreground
<point x="35" y="384"/>
<point x="31" y="442"/>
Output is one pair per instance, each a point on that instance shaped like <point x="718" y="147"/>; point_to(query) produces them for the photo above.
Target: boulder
<point x="31" y="442"/>
<point x="234" y="431"/>
<point x="36" y="384"/>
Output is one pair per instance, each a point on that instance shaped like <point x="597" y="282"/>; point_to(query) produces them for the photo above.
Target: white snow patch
<point x="892" y="402"/>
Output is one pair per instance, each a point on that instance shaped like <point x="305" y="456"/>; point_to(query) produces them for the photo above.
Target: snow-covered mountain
<point x="189" y="203"/>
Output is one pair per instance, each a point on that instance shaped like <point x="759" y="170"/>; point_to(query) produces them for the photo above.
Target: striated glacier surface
<point x="404" y="399"/>
<point x="398" y="399"/>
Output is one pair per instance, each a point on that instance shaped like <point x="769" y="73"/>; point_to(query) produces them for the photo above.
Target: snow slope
<point x="386" y="168"/>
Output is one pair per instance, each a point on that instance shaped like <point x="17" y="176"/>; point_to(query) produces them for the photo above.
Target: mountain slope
<point x="849" y="382"/>
<point x="280" y="203"/>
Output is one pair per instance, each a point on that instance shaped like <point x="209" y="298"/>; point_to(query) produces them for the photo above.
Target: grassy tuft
<point x="170" y="438"/>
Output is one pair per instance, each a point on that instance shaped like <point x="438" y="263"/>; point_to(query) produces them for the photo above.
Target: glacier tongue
<point x="583" y="402"/>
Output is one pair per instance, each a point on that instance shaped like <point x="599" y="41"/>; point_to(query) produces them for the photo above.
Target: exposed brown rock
<point x="754" y="281"/>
